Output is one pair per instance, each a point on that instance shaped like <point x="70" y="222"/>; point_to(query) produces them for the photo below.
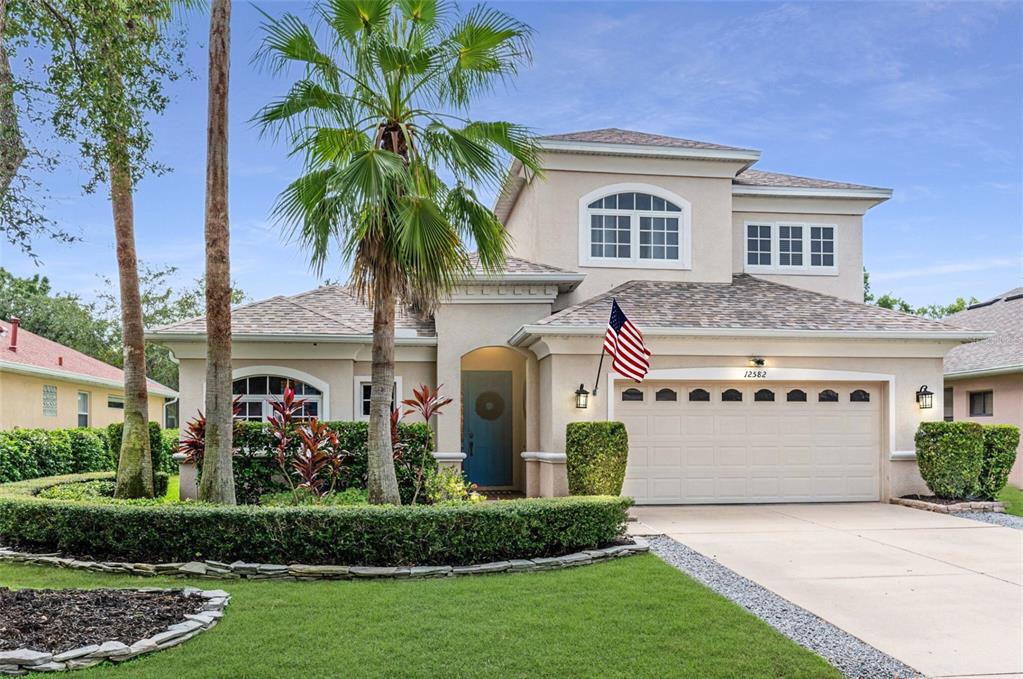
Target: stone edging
<point x="23" y="660"/>
<point x="266" y="571"/>
<point x="964" y="506"/>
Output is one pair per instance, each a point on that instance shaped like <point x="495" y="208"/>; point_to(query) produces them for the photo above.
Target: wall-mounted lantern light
<point x="582" y="397"/>
<point x="924" y="397"/>
<point x="756" y="361"/>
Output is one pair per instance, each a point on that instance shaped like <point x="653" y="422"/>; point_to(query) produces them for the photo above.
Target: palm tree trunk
<point x="217" y="481"/>
<point x="382" y="482"/>
<point x="135" y="464"/>
<point x="12" y="147"/>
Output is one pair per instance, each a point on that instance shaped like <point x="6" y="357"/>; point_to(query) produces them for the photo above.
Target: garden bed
<point x="351" y="536"/>
<point x="57" y="630"/>
<point x="932" y="503"/>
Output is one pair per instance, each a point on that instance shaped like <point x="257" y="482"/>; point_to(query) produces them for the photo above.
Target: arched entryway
<point x="493" y="416"/>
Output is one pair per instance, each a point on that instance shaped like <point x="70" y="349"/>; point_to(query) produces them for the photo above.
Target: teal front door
<point x="487" y="426"/>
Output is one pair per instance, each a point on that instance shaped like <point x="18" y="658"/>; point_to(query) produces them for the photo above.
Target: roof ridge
<point x="849" y="301"/>
<point x="344" y="325"/>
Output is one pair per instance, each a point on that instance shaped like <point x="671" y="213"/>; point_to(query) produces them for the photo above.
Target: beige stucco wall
<point x="575" y="360"/>
<point x="21" y="403"/>
<point x="846" y="282"/>
<point x="1008" y="407"/>
<point x="338" y="374"/>
<point x="545" y="226"/>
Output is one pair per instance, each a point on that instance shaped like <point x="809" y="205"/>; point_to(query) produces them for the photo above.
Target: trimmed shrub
<point x="1000" y="444"/>
<point x="951" y="456"/>
<point x="99" y="490"/>
<point x="597" y="453"/>
<point x="31" y="453"/>
<point x="370" y="535"/>
<point x="256" y="475"/>
<point x="159" y="448"/>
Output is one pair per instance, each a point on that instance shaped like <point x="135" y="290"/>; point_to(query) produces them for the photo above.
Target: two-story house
<point x="770" y="380"/>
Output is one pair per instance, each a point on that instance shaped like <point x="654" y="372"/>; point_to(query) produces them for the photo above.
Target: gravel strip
<point x="1007" y="520"/>
<point x="854" y="658"/>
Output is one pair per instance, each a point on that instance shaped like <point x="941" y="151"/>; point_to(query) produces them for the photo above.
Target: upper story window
<point x="634" y="225"/>
<point x="784" y="247"/>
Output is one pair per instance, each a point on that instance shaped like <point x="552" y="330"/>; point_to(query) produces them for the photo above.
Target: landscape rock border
<point x="964" y="506"/>
<point x="23" y="660"/>
<point x="267" y="571"/>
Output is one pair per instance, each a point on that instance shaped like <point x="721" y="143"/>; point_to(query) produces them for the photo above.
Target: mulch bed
<point x="934" y="499"/>
<point x="58" y="620"/>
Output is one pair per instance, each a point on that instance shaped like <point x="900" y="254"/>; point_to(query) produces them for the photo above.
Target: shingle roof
<point x="517" y="265"/>
<point x="327" y="310"/>
<point x="775" y="179"/>
<point x="35" y="351"/>
<point x="614" y="135"/>
<point x="1003" y="315"/>
<point x="747" y="303"/>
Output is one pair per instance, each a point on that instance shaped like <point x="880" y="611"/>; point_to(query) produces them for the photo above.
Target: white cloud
<point x="986" y="264"/>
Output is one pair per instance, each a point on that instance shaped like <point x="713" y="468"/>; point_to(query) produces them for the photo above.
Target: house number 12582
<point x="755" y="374"/>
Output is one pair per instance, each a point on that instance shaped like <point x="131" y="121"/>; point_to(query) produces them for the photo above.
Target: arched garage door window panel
<point x="632" y="395"/>
<point x="860" y="396"/>
<point x="731" y="395"/>
<point x="257" y="392"/>
<point x="828" y="396"/>
<point x="796" y="396"/>
<point x="699" y="395"/>
<point x="764" y="395"/>
<point x="666" y="395"/>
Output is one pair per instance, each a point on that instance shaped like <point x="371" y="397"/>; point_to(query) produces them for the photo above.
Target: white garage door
<point x="709" y="442"/>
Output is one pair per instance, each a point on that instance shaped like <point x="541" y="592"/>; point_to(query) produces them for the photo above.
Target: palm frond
<point x="310" y="214"/>
<point x="357" y="19"/>
<point x="474" y="221"/>
<point x="491" y="46"/>
<point x="516" y="140"/>
<point x="288" y="40"/>
<point x="304" y="97"/>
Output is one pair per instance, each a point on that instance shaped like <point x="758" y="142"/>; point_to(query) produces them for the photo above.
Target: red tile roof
<point x="35" y="351"/>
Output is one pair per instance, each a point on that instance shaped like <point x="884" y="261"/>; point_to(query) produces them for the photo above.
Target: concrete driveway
<point x="939" y="593"/>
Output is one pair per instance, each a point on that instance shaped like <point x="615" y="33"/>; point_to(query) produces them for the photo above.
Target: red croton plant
<point x="427" y="402"/>
<point x="193" y="443"/>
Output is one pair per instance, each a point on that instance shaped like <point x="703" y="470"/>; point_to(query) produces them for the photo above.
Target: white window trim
<point x="775" y="267"/>
<point x="685" y="236"/>
<point x="281" y="371"/>
<point x="357" y="383"/>
<point x="88" y="408"/>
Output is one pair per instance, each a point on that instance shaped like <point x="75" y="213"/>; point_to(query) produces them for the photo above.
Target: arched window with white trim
<point x="255" y="394"/>
<point x="634" y="225"/>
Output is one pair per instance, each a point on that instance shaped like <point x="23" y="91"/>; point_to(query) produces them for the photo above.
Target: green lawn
<point x="173" y="483"/>
<point x="635" y="617"/>
<point x="1013" y="499"/>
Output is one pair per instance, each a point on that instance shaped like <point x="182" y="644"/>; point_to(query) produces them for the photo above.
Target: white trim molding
<point x="357" y="382"/>
<point x="802" y="192"/>
<point x="282" y="371"/>
<point x="607" y="149"/>
<point x="735" y="374"/>
<point x="685" y="236"/>
<point x="68" y="376"/>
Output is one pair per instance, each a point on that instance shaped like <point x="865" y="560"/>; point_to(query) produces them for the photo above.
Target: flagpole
<point x="596" y="382"/>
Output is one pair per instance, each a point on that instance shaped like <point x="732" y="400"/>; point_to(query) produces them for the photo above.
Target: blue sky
<point x="925" y="98"/>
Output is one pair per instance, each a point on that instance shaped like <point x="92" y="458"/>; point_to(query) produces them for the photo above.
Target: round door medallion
<point x="489" y="405"/>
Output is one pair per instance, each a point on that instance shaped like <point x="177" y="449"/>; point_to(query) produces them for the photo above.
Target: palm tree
<point x="380" y="114"/>
<point x="217" y="483"/>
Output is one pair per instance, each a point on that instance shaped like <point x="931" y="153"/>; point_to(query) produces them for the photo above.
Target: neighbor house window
<point x="115" y="402"/>
<point x="634" y="228"/>
<point x="83" y="409"/>
<point x="774" y="247"/>
<point x="49" y="400"/>
<point x="948" y="404"/>
<point x="982" y="403"/>
<point x="256" y="393"/>
<point x="364" y="393"/>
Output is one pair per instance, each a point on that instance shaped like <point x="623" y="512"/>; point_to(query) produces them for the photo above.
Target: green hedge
<point x="1000" y="444"/>
<point x="255" y="476"/>
<point x="951" y="457"/>
<point x="31" y="453"/>
<point x="374" y="535"/>
<point x="597" y="454"/>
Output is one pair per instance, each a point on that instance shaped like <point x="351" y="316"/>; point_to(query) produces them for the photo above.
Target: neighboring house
<point x="984" y="380"/>
<point x="771" y="381"/>
<point x="46" y="385"/>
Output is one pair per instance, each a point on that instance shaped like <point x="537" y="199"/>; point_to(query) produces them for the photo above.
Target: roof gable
<point x="1002" y="314"/>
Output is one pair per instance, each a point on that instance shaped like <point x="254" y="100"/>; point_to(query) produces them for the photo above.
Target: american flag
<point x="624" y="344"/>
